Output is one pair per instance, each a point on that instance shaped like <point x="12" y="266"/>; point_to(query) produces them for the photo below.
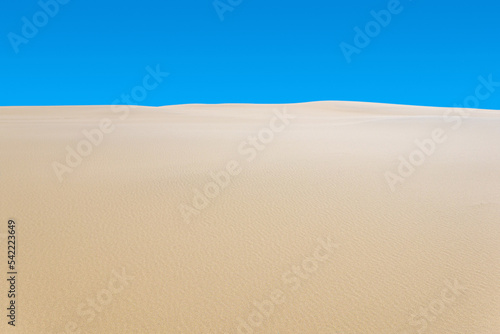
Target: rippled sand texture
<point x="306" y="235"/>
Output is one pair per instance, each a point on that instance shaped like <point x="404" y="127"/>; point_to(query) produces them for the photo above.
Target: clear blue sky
<point x="263" y="51"/>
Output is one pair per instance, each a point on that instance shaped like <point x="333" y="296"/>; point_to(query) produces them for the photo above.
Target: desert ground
<point x="322" y="218"/>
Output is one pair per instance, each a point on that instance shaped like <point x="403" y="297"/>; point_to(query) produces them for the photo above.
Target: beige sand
<point x="306" y="237"/>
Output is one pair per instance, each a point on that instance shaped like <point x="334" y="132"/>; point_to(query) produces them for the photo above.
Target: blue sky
<point x="263" y="51"/>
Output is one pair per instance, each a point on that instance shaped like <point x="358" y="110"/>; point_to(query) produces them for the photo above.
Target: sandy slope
<point x="304" y="234"/>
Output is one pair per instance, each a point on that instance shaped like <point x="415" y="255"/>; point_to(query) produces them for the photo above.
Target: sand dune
<point x="327" y="217"/>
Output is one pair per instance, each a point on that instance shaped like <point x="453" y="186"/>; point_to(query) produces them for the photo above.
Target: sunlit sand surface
<point x="252" y="219"/>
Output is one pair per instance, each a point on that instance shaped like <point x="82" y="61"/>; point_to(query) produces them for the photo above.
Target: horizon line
<point x="242" y="103"/>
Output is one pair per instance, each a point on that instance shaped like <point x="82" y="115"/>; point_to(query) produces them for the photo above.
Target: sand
<point x="328" y="217"/>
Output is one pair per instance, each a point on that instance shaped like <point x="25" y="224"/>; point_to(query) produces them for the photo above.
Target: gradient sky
<point x="263" y="51"/>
